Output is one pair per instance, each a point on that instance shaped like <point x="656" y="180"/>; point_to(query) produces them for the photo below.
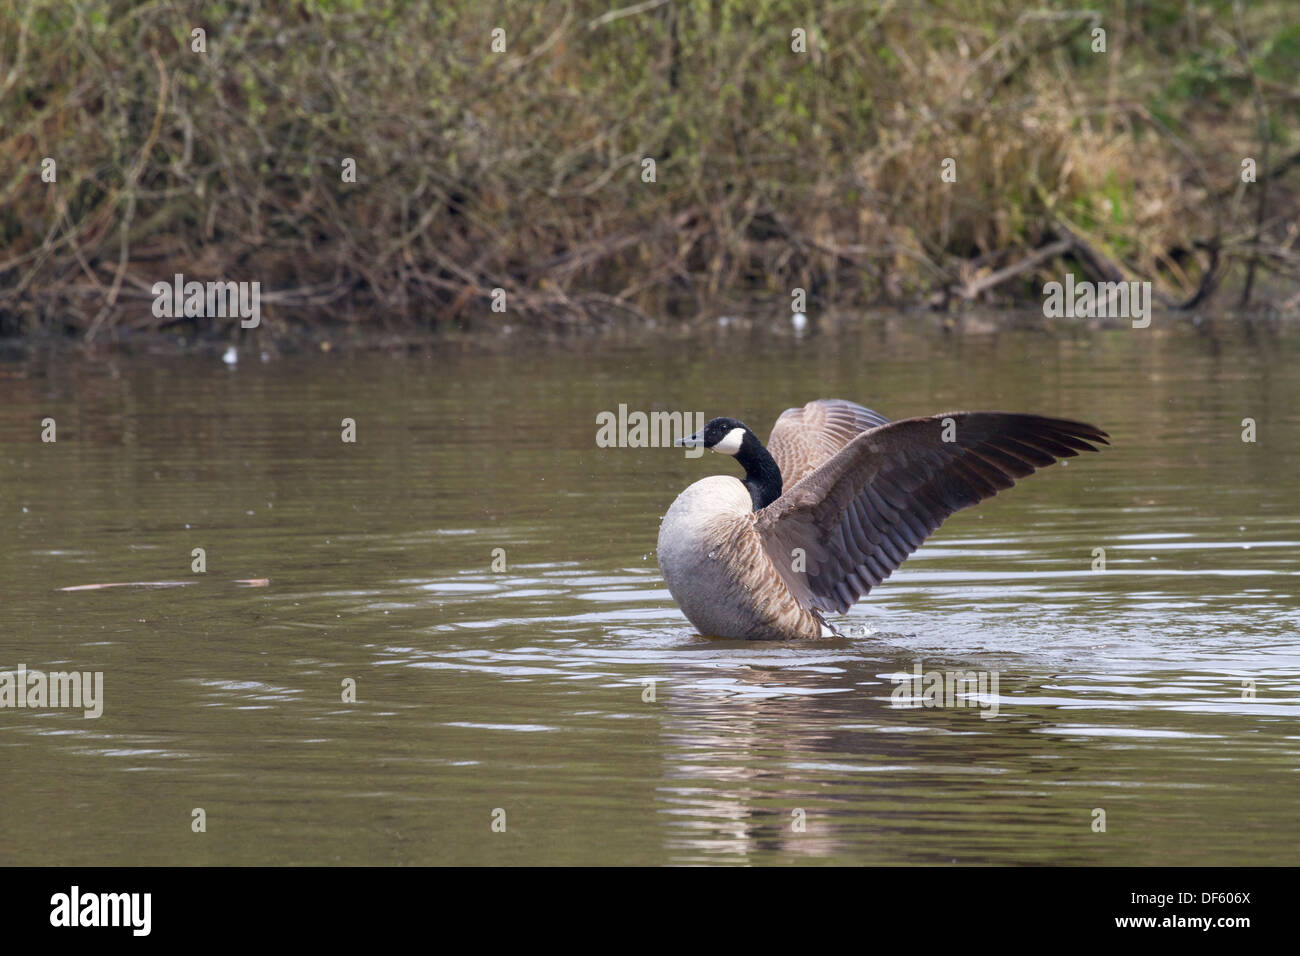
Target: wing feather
<point x="866" y="506"/>
<point x="804" y="438"/>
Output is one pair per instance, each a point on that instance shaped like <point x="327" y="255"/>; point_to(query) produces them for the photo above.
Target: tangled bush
<point x="502" y="146"/>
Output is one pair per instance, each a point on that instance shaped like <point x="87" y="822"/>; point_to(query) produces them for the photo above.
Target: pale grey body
<point x="714" y="564"/>
<point x="859" y="495"/>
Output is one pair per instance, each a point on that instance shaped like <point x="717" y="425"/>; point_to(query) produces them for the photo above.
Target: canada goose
<point x="744" y="559"/>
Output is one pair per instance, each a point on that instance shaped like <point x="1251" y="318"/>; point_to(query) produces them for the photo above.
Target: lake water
<point x="1162" y="690"/>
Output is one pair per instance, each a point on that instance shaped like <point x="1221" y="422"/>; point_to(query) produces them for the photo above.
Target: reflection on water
<point x="567" y="689"/>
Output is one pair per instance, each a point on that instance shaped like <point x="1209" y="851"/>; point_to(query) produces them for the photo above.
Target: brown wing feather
<point x="863" y="511"/>
<point x="804" y="438"/>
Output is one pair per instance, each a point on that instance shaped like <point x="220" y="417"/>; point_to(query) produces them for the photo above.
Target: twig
<point x="1050" y="251"/>
<point x="133" y="177"/>
<point x="1261" y="119"/>
<point x="631" y="11"/>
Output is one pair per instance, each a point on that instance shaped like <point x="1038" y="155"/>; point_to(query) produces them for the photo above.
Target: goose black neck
<point x="762" y="476"/>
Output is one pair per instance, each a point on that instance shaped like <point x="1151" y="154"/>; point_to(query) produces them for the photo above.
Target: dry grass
<point x="522" y="170"/>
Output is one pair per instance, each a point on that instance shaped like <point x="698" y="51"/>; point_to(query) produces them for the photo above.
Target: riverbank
<point x="878" y="332"/>
<point x="407" y="171"/>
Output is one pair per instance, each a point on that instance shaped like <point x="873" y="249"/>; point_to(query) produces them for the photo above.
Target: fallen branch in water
<point x="246" y="582"/>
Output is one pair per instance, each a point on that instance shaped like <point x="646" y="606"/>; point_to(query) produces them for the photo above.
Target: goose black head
<point x="727" y="436"/>
<point x="723" y="435"/>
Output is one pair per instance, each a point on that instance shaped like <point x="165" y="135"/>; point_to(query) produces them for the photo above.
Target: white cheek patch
<point x="730" y="445"/>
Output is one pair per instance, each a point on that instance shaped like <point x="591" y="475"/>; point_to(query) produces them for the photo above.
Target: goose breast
<point x="717" y="570"/>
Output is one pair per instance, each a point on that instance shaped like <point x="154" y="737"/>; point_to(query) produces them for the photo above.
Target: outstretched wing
<point x="858" y="516"/>
<point x="804" y="438"/>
